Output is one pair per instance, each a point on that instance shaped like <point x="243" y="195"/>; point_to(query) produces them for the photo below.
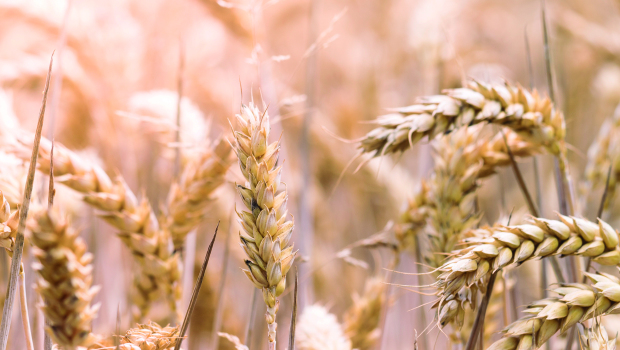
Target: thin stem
<point x="192" y="303"/>
<point x="420" y="281"/>
<point x="482" y="310"/>
<point x="24" y="309"/>
<point x="520" y="181"/>
<point x="23" y="214"/>
<point x="291" y="334"/>
<point x="253" y="306"/>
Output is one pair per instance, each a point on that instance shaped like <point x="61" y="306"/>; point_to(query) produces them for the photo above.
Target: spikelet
<point x="150" y="337"/>
<point x="267" y="230"/>
<point x="65" y="282"/>
<point x="8" y="225"/>
<point x="576" y="303"/>
<point x="189" y="197"/>
<point x="494" y="248"/>
<point x="136" y="221"/>
<point x="603" y="153"/>
<point x="527" y="113"/>
<point x="361" y="322"/>
<point x="317" y="329"/>
<point x="596" y="338"/>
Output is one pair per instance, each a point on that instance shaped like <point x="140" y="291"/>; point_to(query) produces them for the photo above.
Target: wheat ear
<point x="149" y="337"/>
<point x="603" y="153"/>
<point x="136" y="221"/>
<point x="527" y="113"/>
<point x="596" y="338"/>
<point x="362" y="320"/>
<point x="494" y="248"/>
<point x="189" y="197"/>
<point x="267" y="229"/>
<point x="318" y="329"/>
<point x="65" y="282"/>
<point x="576" y="303"/>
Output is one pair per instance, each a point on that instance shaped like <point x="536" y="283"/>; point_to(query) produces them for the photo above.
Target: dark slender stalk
<point x="520" y="181"/>
<point x="291" y="333"/>
<point x="601" y="207"/>
<point x="23" y="214"/>
<point x="192" y="303"/>
<point x="482" y="310"/>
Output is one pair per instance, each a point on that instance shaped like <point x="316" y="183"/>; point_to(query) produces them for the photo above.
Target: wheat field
<point x="309" y="174"/>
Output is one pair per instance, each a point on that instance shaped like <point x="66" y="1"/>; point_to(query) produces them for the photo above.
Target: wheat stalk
<point x="65" y="282"/>
<point x="136" y="221"/>
<point x="189" y="197"/>
<point x="267" y="230"/>
<point x="493" y="248"/>
<point x="362" y="320"/>
<point x="317" y="329"/>
<point x="576" y="303"/>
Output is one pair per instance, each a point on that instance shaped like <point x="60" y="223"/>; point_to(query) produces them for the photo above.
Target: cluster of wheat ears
<point x="474" y="131"/>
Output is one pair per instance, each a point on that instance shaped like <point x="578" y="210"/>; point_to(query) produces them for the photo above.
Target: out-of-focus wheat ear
<point x="291" y="334"/>
<point x="192" y="302"/>
<point x="19" y="238"/>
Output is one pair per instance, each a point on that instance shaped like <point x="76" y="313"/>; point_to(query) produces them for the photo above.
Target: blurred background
<point x="323" y="68"/>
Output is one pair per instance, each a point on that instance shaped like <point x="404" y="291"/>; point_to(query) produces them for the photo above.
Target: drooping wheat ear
<point x="362" y="320"/>
<point x="603" y="153"/>
<point x="576" y="303"/>
<point x="461" y="159"/>
<point x="527" y="113"/>
<point x="189" y="197"/>
<point x="596" y="338"/>
<point x="136" y="221"/>
<point x="65" y="282"/>
<point x="317" y="329"/>
<point x="149" y="337"/>
<point x="493" y="248"/>
<point x="267" y="230"/>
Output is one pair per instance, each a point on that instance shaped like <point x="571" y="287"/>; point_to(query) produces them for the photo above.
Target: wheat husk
<point x="267" y="230"/>
<point x="596" y="338"/>
<point x="317" y="329"/>
<point x="493" y="248"/>
<point x="65" y="279"/>
<point x="149" y="336"/>
<point x="576" y="302"/>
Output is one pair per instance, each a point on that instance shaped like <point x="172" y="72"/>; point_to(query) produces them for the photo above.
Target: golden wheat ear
<point x="267" y="228"/>
<point x="65" y="279"/>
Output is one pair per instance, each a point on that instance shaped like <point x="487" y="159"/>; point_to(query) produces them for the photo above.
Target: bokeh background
<point x="323" y="69"/>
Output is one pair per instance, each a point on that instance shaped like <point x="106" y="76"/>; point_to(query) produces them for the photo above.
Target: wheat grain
<point x="361" y="322"/>
<point x="189" y="197"/>
<point x="267" y="230"/>
<point x="317" y="329"/>
<point x="136" y="221"/>
<point x="576" y="303"/>
<point x="493" y="248"/>
<point x="65" y="282"/>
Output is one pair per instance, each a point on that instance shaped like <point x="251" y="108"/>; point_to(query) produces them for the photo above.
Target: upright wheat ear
<point x="576" y="303"/>
<point x="362" y="320"/>
<point x="65" y="282"/>
<point x="189" y="197"/>
<point x="267" y="230"/>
